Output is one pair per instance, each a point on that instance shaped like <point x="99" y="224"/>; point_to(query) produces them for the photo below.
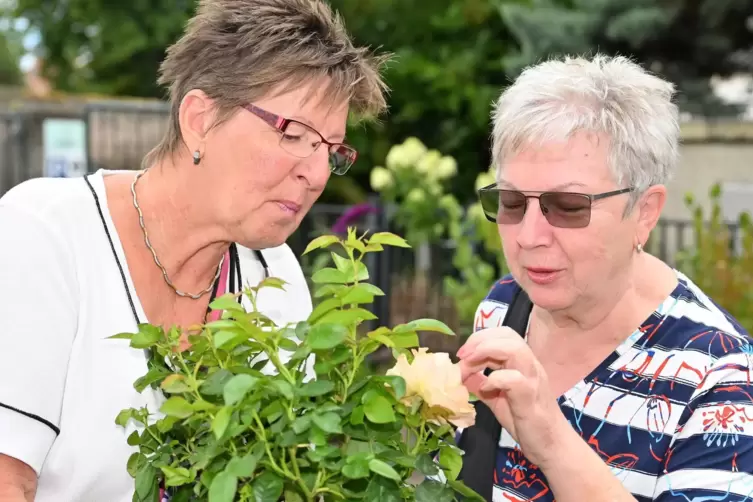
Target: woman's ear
<point x="196" y="112"/>
<point x="649" y="208"/>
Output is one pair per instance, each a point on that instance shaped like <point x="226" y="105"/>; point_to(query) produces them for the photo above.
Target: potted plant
<point x="260" y="412"/>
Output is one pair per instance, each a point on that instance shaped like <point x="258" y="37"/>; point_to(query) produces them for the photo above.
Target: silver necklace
<point x="154" y="254"/>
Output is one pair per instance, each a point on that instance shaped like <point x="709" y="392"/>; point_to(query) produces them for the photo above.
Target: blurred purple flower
<point x="351" y="216"/>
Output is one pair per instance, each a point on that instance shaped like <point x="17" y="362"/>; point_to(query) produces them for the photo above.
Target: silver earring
<point x="196" y="157"/>
<point x="639" y="247"/>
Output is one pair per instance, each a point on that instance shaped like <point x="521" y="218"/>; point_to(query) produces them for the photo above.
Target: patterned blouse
<point x="670" y="410"/>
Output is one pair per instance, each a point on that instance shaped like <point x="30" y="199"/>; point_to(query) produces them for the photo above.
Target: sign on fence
<point x="64" y="144"/>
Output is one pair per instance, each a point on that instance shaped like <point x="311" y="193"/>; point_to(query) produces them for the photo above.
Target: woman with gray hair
<point x="260" y="93"/>
<point x="625" y="381"/>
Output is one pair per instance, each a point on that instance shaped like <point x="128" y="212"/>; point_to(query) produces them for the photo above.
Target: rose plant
<point x="259" y="412"/>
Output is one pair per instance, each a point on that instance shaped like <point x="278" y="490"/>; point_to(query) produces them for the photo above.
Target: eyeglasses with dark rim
<point x="561" y="209"/>
<point x="302" y="140"/>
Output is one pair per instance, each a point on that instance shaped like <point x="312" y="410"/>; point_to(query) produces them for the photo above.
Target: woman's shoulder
<point x="46" y="198"/>
<point x="693" y="321"/>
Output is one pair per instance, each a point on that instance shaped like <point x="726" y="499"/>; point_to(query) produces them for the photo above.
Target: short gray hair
<point x="607" y="95"/>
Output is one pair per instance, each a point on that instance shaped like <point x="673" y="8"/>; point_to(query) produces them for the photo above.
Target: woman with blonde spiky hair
<point x="260" y="93"/>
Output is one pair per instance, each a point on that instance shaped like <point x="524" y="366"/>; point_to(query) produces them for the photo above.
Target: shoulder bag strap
<point x="480" y="442"/>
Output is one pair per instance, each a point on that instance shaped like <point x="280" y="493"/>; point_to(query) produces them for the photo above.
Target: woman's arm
<point x="576" y="473"/>
<point x="18" y="481"/>
<point x="518" y="393"/>
<point x="39" y="311"/>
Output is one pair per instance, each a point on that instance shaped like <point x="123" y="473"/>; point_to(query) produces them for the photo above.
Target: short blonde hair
<point x="237" y="51"/>
<point x="609" y="95"/>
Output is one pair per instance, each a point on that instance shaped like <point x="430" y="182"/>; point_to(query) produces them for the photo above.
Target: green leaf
<point x="284" y="388"/>
<point x="316" y="388"/>
<point x="177" y="407"/>
<point x="175" y="384"/>
<point x="388" y="239"/>
<point x="121" y="336"/>
<point x="406" y="340"/>
<point x="292" y="496"/>
<point x="214" y="385"/>
<point x="124" y="416"/>
<point x="464" y="490"/>
<point x="381" y="337"/>
<point x="223" y="487"/>
<point x="451" y="460"/>
<point x="362" y="292"/>
<point x="347" y="317"/>
<point x="322" y="241"/>
<point x="378" y="409"/>
<point x="301" y="424"/>
<point x="147" y="336"/>
<point x="244" y="467"/>
<point x="227" y="301"/>
<point x="330" y="275"/>
<point x="153" y="376"/>
<point x="176" y="476"/>
<point x="324" y="307"/>
<point x="434" y="491"/>
<point x="267" y="487"/>
<point x="272" y="282"/>
<point x="383" y="469"/>
<point x="326" y="336"/>
<point x="357" y="468"/>
<point x="426" y="465"/>
<point x="328" y="422"/>
<point x="424" y="325"/>
<point x="221" y="421"/>
<point x="343" y="264"/>
<point x="397" y="384"/>
<point x="223" y="337"/>
<point x="237" y="387"/>
<point x="381" y="489"/>
<point x="146" y="483"/>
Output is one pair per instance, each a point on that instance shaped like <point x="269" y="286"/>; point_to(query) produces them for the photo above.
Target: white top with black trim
<point x="62" y="383"/>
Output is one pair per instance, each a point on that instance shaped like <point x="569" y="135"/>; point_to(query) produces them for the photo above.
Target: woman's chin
<point x="550" y="298"/>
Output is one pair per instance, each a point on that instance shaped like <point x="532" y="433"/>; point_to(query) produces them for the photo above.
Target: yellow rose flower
<point x="437" y="381"/>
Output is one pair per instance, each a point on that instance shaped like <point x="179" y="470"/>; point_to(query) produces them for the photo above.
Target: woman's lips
<point x="542" y="276"/>
<point x="289" y="206"/>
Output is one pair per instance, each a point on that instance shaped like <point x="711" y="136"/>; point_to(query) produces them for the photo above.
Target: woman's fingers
<point x="505" y="380"/>
<point x="480" y="336"/>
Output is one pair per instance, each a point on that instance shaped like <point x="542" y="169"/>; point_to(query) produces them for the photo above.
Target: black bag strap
<point x="480" y="442"/>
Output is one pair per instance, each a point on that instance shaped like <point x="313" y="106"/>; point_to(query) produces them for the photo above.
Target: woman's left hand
<point x="517" y="391"/>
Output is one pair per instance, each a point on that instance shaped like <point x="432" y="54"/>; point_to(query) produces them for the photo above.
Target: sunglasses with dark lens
<point x="561" y="209"/>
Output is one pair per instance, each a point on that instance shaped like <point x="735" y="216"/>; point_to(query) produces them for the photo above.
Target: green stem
<point x="272" y="462"/>
<point x="329" y="490"/>
<point x="297" y="473"/>
<point x="420" y="436"/>
<point x="272" y="354"/>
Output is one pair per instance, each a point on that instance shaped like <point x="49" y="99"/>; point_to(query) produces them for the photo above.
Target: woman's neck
<point x="188" y="243"/>
<point x="611" y="315"/>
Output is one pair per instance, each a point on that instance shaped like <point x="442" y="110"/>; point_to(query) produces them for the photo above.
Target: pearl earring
<point x="196" y="158"/>
<point x="639" y="247"/>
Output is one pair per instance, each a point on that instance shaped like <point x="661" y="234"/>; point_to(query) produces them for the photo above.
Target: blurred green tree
<point x="686" y="41"/>
<point x="10" y="56"/>
<point x="448" y="66"/>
